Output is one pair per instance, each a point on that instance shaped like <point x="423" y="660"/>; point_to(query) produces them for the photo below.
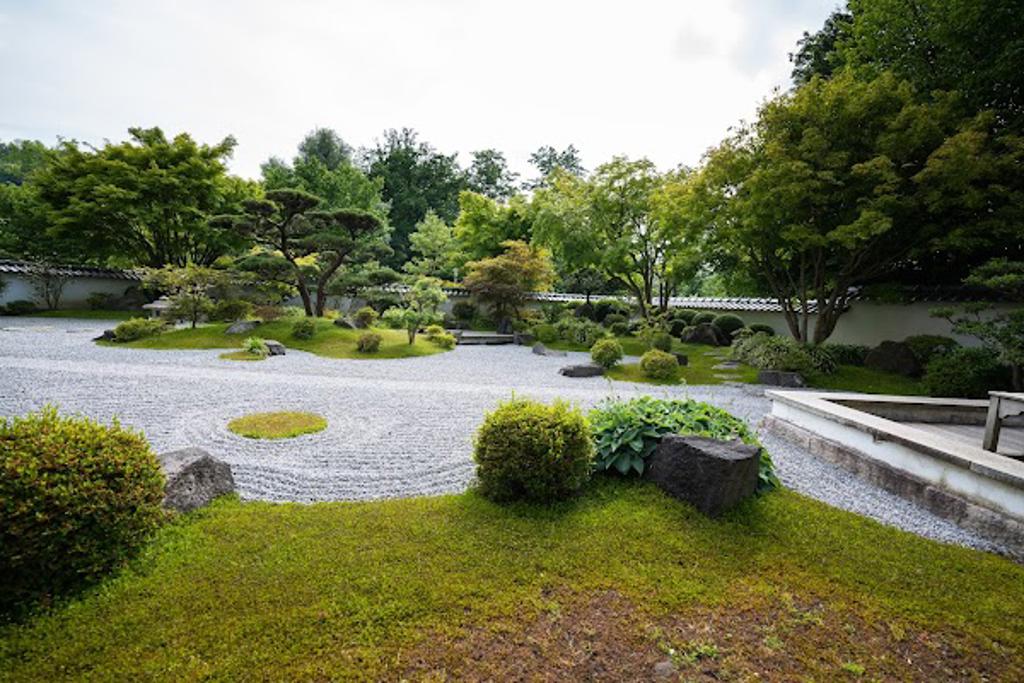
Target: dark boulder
<point x="242" y="327"/>
<point x="108" y="335"/>
<point x="344" y="323"/>
<point x="523" y="338"/>
<point x="890" y="356"/>
<point x="705" y="333"/>
<point x="710" y="474"/>
<point x="681" y="358"/>
<point x="542" y="350"/>
<point x="194" y="479"/>
<point x="587" y="370"/>
<point x="781" y="378"/>
<point x="274" y="347"/>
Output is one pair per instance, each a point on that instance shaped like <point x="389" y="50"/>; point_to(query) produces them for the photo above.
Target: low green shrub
<point x="433" y="330"/>
<point x="365" y="317"/>
<point x="269" y="313"/>
<point x="545" y="333"/>
<point x="304" y="328"/>
<point x="255" y="346"/>
<point x="773" y="353"/>
<point x="20" y="307"/>
<point x="230" y="310"/>
<point x="394" y="318"/>
<point x="369" y="342"/>
<point x="137" y="328"/>
<point x="822" y="359"/>
<point x="607" y="307"/>
<point x="77" y="498"/>
<point x="606" y="352"/>
<point x="579" y="331"/>
<point x="927" y="346"/>
<point x="627" y="432"/>
<point x="849" y="354"/>
<point x="584" y="310"/>
<point x="661" y="341"/>
<point x="702" y="317"/>
<point x="685" y="314"/>
<point x="762" y="328"/>
<point x="965" y="373"/>
<point x="676" y="326"/>
<point x="657" y="364"/>
<point x="444" y="340"/>
<point x="99" y="300"/>
<point x="464" y="311"/>
<point x="728" y="323"/>
<point x="620" y="329"/>
<point x="530" y="451"/>
<point x="613" y="318"/>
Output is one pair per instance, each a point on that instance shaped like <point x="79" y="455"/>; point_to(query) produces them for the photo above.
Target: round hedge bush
<point x="368" y="342"/>
<point x="684" y="314"/>
<point x="443" y="340"/>
<point x="762" y="328"/>
<point x="545" y="333"/>
<point x="304" y="328"/>
<point x="531" y="451"/>
<point x="657" y="364"/>
<point x="606" y="352"/>
<point x="230" y="310"/>
<point x="661" y="341"/>
<point x="728" y="323"/>
<point x="965" y="373"/>
<point x="365" y="317"/>
<point x="463" y="311"/>
<point x="702" y="317"/>
<point x="620" y="329"/>
<point x="77" y="498"/>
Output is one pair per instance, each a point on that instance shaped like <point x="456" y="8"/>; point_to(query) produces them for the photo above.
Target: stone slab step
<point x="489" y="338"/>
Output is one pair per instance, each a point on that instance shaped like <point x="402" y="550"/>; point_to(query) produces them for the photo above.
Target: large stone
<point x="705" y="333"/>
<point x="710" y="474"/>
<point x="542" y="350"/>
<point x="586" y="370"/>
<point x="194" y="479"/>
<point x="781" y="378"/>
<point x="890" y="356"/>
<point x="274" y="347"/>
<point x="681" y="358"/>
<point x="344" y="323"/>
<point x="523" y="338"/>
<point x="242" y="327"/>
<point x="108" y="335"/>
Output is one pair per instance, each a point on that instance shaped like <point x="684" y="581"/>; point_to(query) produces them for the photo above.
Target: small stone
<point x="705" y="333"/>
<point x="194" y="479"/>
<point x="542" y="350"/>
<point x="726" y="365"/>
<point x="586" y="370"/>
<point x="711" y="474"/>
<point x="242" y="327"/>
<point x="665" y="669"/>
<point x="780" y="378"/>
<point x="274" y="347"/>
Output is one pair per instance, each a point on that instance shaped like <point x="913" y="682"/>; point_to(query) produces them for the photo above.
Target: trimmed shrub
<point x="685" y="314"/>
<point x="98" y="300"/>
<point x="661" y="341"/>
<point x="965" y="373"/>
<point x="365" y="317"/>
<point x="552" y="311"/>
<point x="530" y="451"/>
<point x="607" y="307"/>
<point x="369" y="342"/>
<point x="822" y="359"/>
<point x="21" y="307"/>
<point x="77" y="498"/>
<point x="927" y="346"/>
<point x="606" y="353"/>
<point x="613" y="318"/>
<point x="728" y="323"/>
<point x="627" y="432"/>
<point x="848" y="354"/>
<point x="443" y="340"/>
<point x="269" y="313"/>
<point x="394" y="318"/>
<point x="584" y="310"/>
<point x="380" y="300"/>
<point x="304" y="329"/>
<point x="620" y="329"/>
<point x="762" y="328"/>
<point x="657" y="364"/>
<point x="256" y="346"/>
<point x="464" y="311"/>
<point x="433" y="330"/>
<point x="137" y="328"/>
<point x="773" y="353"/>
<point x="579" y="331"/>
<point x="230" y="310"/>
<point x="702" y="317"/>
<point x="545" y="333"/>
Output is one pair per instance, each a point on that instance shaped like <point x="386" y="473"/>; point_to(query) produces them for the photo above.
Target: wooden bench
<point x="1001" y="405"/>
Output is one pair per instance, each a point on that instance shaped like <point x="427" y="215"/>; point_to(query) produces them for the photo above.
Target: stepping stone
<point x="588" y="370"/>
<point x="727" y="365"/>
<point x="274" y="347"/>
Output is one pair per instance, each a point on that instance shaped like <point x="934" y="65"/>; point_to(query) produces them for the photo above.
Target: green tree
<point x="325" y="146"/>
<point x="19" y="158"/>
<point x="189" y="288"/>
<point x="546" y="159"/>
<point x="505" y="281"/>
<point x="490" y="176"/>
<point x="142" y="202"/>
<point x="819" y="54"/>
<point x="415" y="179"/>
<point x="421" y="305"/>
<point x="484" y="224"/>
<point x="436" y="252"/>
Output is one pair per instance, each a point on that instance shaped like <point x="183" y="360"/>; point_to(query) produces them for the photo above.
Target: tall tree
<point x="819" y="54"/>
<point x="327" y="147"/>
<point x="436" y="251"/>
<point x="503" y="282"/>
<point x="546" y="159"/>
<point x="490" y="176"/>
<point x="416" y="179"/>
<point x="484" y="225"/>
<point x="19" y="158"/>
<point x="142" y="202"/>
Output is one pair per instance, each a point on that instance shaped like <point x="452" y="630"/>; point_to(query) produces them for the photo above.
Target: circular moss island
<point x="282" y="425"/>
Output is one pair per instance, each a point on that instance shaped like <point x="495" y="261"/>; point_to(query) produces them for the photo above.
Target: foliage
<point x="579" y="331"/>
<point x="256" y="347"/>
<point x="822" y="359"/>
<point x="48" y="281"/>
<point x="927" y="346"/>
<point x="464" y="311"/>
<point x="627" y="432"/>
<point x="20" y="307"/>
<point x="773" y="353"/>
<point x="137" y="328"/>
<point x="489" y="175"/>
<point x="365" y="317"/>
<point x="606" y="352"/>
<point x="443" y="340"/>
<point x="818" y="54"/>
<point x="369" y="342"/>
<point x="660" y="340"/>
<point x="189" y="287"/>
<point x="702" y="318"/>
<point x="848" y="354"/>
<point x="484" y="225"/>
<point x="421" y="303"/>
<point x="763" y="328"/>
<point x="658" y="364"/>
<point x="304" y="328"/>
<point x="530" y="451"/>
<point x="77" y="498"/>
<point x="278" y="425"/>
<point x="685" y="314"/>
<point x="620" y="329"/>
<point x="965" y="373"/>
<point x="547" y="159"/>
<point x="268" y="313"/>
<point x="546" y="333"/>
<point x="607" y="307"/>
<point x="436" y="251"/>
<point x="728" y="323"/>
<point x="230" y="310"/>
<point x="145" y="201"/>
<point x="503" y="282"/>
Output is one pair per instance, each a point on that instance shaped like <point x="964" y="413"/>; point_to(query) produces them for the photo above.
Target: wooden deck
<point x="1011" y="440"/>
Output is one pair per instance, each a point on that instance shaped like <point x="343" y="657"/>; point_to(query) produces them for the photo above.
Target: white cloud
<point x="663" y="79"/>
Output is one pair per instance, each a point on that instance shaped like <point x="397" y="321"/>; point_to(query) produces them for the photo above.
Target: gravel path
<point x="395" y="427"/>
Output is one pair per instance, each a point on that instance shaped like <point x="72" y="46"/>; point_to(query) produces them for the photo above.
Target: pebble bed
<point x="395" y="427"/>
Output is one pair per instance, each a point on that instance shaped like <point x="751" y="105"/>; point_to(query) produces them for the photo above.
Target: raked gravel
<point x="395" y="427"/>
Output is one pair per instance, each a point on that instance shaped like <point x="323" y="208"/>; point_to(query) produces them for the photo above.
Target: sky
<point x="660" y="79"/>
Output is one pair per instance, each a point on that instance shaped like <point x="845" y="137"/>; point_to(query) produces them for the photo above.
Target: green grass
<point x="355" y="590"/>
<point x="87" y="314"/>
<point x="330" y="341"/>
<point x="866" y="380"/>
<point x="241" y="355"/>
<point x="279" y="425"/>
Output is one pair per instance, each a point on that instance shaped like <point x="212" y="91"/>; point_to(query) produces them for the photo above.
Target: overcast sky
<point x="661" y="79"/>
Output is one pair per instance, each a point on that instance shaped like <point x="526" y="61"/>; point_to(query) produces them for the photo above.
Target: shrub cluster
<point x="530" y="451"/>
<point x="304" y="328"/>
<point x="20" y="307"/>
<point x="702" y="317"/>
<point x="545" y="333"/>
<point x="627" y="432"/>
<point x="137" y="328"/>
<point x="762" y="328"/>
<point x="849" y="354"/>
<point x="928" y="346"/>
<point x="230" y="310"/>
<point x="657" y="364"/>
<point x="365" y="317"/>
<point x="463" y="311"/>
<point x="269" y="313"/>
<point x="965" y="373"/>
<point x="607" y="353"/>
<point x="256" y="346"/>
<point x="77" y="498"/>
<point x="368" y="342"/>
<point x="773" y="353"/>
<point x="579" y="331"/>
<point x="438" y="336"/>
<point x="728" y="323"/>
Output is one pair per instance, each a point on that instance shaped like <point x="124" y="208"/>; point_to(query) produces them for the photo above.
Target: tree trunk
<point x="1017" y="373"/>
<point x="412" y="334"/>
<point x="306" y="301"/>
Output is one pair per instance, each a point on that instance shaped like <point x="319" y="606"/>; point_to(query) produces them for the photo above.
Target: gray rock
<point x="890" y="356"/>
<point x="585" y="370"/>
<point x="108" y="335"/>
<point x="542" y="350"/>
<point x="274" y="347"/>
<point x="781" y="378"/>
<point x="194" y="479"/>
<point x="665" y="669"/>
<point x="705" y="333"/>
<point x="681" y="358"/>
<point x="712" y="475"/>
<point x="344" y="323"/>
<point x="242" y="327"/>
<point x="523" y="338"/>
